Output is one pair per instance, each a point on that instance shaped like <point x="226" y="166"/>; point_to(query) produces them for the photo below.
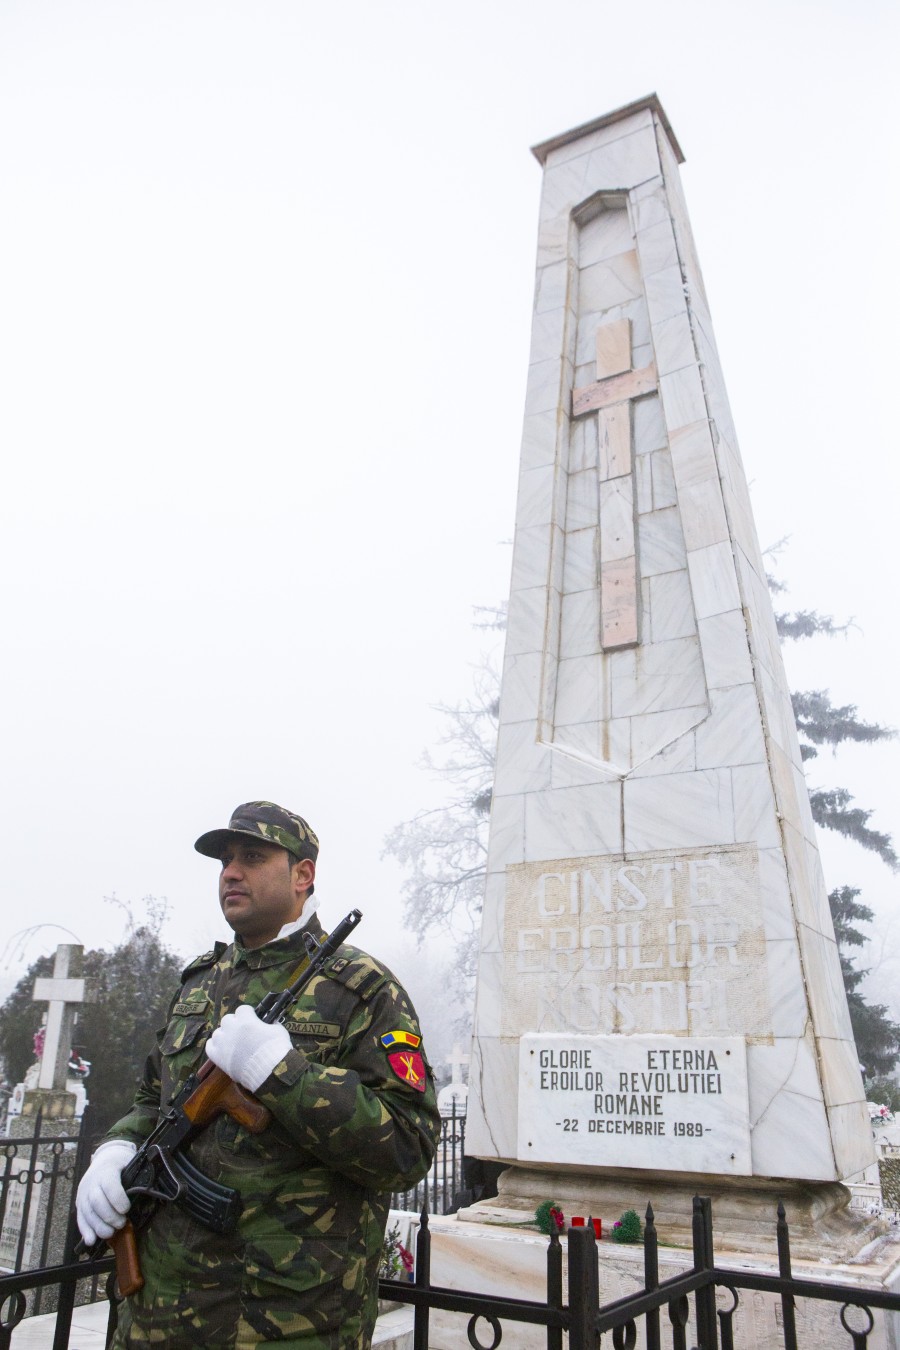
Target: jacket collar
<point x="279" y="952"/>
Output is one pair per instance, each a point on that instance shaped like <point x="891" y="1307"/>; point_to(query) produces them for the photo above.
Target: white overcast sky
<point x="266" y="273"/>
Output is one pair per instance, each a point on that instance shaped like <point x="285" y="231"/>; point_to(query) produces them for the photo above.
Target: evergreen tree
<point x="877" y="1036"/>
<point x="820" y="723"/>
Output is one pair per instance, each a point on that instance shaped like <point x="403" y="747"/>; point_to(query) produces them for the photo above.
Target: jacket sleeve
<point x="360" y="1116"/>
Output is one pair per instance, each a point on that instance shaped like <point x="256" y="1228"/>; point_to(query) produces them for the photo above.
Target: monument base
<point x="744" y="1208"/>
<point x="56" y="1103"/>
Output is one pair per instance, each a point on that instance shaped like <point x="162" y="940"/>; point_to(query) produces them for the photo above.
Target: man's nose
<point x="232" y="869"/>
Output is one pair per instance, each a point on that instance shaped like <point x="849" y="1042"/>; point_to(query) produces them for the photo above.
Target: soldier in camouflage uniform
<point x="353" y="1118"/>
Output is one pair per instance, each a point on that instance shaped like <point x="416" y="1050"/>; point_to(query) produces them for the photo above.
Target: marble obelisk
<point x="659" y="999"/>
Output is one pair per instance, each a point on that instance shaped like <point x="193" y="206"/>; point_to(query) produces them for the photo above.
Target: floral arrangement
<point x="628" y="1228"/>
<point x="395" y="1257"/>
<point x="879" y="1114"/>
<point x="549" y="1217"/>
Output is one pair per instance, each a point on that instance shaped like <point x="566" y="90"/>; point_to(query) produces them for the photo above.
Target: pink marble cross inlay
<point x="610" y="398"/>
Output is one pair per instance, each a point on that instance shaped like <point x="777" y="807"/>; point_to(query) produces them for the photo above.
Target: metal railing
<point x="712" y="1327"/>
<point x="39" y="1173"/>
<point x="672" y="1306"/>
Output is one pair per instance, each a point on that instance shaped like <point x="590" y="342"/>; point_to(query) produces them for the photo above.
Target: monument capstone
<point x="659" y="998"/>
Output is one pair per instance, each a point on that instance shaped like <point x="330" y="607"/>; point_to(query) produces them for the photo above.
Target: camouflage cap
<point x="263" y="820"/>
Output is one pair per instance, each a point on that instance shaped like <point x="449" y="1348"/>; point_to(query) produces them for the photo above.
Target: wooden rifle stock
<point x="219" y="1095"/>
<point x="128" y="1265"/>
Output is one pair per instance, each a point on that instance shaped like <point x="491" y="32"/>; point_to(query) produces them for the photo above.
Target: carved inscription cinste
<point x="652" y="942"/>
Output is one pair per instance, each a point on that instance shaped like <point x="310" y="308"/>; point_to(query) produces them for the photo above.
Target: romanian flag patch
<point x="401" y="1038"/>
<point x="409" y="1068"/>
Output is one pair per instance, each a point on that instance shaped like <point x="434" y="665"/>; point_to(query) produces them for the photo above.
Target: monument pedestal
<point x="818" y="1213"/>
<point x="57" y="1104"/>
<point x="472" y="1256"/>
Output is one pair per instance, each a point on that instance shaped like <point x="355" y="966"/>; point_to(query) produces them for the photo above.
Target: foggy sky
<point x="265" y="304"/>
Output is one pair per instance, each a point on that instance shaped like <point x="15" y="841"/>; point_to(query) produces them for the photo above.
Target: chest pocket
<point x="181" y="1049"/>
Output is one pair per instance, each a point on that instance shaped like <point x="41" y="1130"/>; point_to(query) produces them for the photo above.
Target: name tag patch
<point x="305" y="1028"/>
<point x="193" y="1007"/>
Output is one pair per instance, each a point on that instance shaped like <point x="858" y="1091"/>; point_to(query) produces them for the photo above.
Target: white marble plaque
<point x="671" y="1103"/>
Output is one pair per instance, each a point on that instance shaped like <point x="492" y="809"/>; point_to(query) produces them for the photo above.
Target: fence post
<point x="705" y="1298"/>
<point x="584" y="1288"/>
<point x="651" y="1278"/>
<point x="554" y="1288"/>
<point x="423" y="1281"/>
<point x="66" y="1304"/>
<point x="784" y="1270"/>
<point x="29" y="1186"/>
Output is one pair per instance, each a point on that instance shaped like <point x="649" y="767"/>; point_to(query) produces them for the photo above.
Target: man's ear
<point x="303" y="873"/>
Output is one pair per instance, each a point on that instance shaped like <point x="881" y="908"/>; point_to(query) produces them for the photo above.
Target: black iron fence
<point x="39" y="1173"/>
<point x="675" y="1312"/>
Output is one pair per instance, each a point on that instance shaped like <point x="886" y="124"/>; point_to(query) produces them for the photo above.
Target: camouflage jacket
<point x="353" y="1118"/>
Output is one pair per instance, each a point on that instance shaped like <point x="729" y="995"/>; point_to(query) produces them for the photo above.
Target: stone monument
<point x="64" y="993"/>
<point x="660" y="1007"/>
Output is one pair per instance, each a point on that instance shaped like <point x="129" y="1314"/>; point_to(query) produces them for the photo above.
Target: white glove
<point x="101" y="1203"/>
<point x="246" y="1048"/>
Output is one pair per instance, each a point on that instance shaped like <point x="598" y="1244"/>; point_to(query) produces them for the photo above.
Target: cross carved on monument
<point x="610" y="398"/>
<point x="64" y="996"/>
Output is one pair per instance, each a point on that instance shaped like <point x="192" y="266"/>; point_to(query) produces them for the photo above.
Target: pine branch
<point x="804" y="623"/>
<point x="822" y="723"/>
<point x="844" y="912"/>
<point x="831" y="809"/>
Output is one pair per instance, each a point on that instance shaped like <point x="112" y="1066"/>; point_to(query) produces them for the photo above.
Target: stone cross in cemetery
<point x="458" y="1061"/>
<point x="659" y="999"/>
<point x="64" y="994"/>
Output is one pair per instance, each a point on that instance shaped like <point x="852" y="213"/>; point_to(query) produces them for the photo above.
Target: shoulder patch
<point x="207" y="959"/>
<point x="392" y="1038"/>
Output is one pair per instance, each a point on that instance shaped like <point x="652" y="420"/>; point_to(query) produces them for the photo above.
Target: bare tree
<point x="445" y="849"/>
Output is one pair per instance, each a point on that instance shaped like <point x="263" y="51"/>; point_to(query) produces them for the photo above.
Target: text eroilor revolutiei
<point x="663" y="1101"/>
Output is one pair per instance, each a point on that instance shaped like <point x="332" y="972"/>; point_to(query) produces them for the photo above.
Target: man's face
<point x="261" y="888"/>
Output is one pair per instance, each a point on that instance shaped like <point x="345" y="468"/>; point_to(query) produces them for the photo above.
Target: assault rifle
<point x="161" y="1172"/>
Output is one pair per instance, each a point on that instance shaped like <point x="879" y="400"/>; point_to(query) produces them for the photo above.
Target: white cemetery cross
<point x="453" y="1097"/>
<point x="458" y="1060"/>
<point x="64" y="996"/>
<point x="659" y="987"/>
